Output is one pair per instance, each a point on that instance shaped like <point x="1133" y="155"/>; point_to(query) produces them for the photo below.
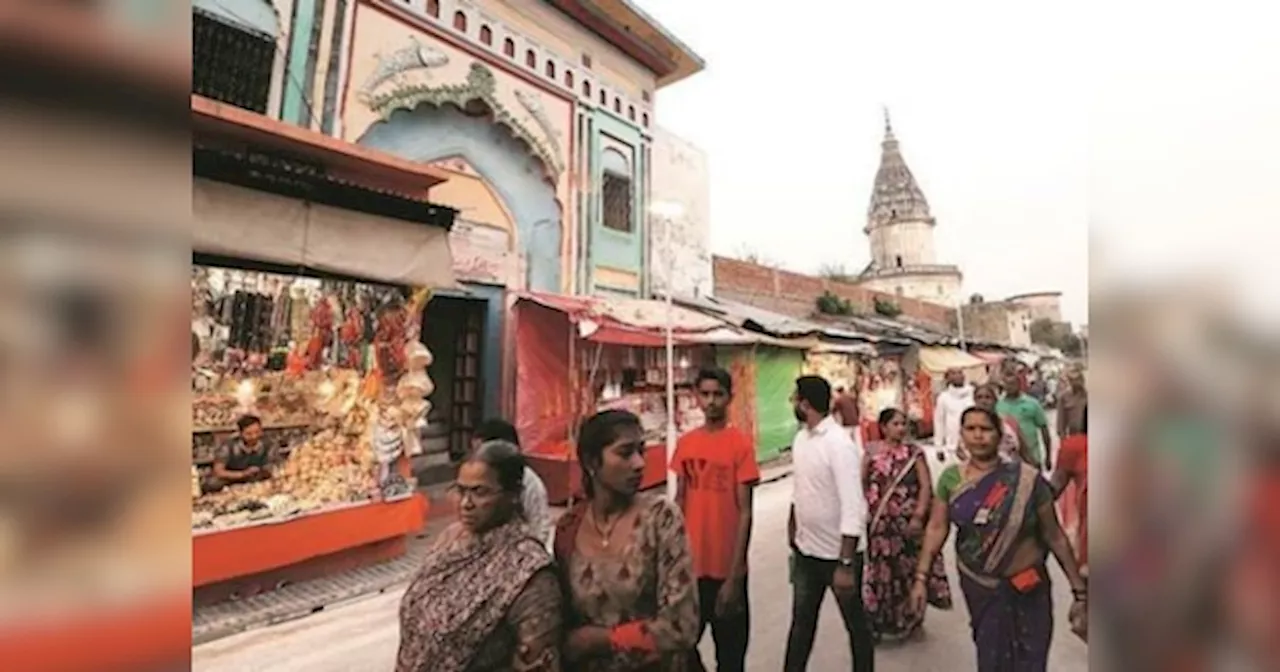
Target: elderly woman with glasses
<point x="487" y="597"/>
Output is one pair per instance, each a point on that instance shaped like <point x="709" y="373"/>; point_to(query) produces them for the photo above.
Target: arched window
<point x="616" y="192"/>
<point x="617" y="106"/>
<point x="433" y="8"/>
<point x="604" y="97"/>
<point x="551" y="69"/>
<point x="530" y="59"/>
<point x="509" y="48"/>
<point x="568" y="78"/>
<point x="631" y="112"/>
<point x="460" y="22"/>
<point x="486" y="35"/>
<point x="898" y="259"/>
<point x="644" y="119"/>
<point x="586" y="89"/>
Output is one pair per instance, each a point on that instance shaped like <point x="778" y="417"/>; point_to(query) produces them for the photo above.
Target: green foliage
<point x="831" y="304"/>
<point x="887" y="308"/>
<point x="1057" y="335"/>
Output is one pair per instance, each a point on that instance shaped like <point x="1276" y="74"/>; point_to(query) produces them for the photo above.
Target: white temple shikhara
<point x="900" y="228"/>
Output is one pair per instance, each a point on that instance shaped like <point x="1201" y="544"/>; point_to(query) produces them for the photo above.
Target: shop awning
<point x="234" y="221"/>
<point x="268" y="191"/>
<point x="939" y="360"/>
<point x="257" y="16"/>
<point x="635" y="322"/>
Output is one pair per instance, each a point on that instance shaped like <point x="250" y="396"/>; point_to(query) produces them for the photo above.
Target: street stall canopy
<point x="940" y="359"/>
<point x="632" y="322"/>
<point x="275" y="193"/>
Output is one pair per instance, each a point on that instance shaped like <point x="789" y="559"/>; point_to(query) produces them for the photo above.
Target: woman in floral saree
<point x="631" y="596"/>
<point x="1006" y="525"/>
<point x="898" y="489"/>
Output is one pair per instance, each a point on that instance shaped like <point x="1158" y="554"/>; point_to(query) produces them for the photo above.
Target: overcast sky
<point x="1023" y="124"/>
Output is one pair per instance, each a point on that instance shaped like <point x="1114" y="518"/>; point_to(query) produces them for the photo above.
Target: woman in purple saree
<point x="1006" y="525"/>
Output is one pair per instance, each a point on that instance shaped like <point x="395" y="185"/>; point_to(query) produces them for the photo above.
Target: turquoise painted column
<point x="295" y="107"/>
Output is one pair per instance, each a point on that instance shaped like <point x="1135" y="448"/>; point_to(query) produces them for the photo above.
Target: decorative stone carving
<point x="415" y="56"/>
<point x="533" y="104"/>
<point x="479" y="86"/>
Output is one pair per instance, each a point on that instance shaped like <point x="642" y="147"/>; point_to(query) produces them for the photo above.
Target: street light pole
<point x="667" y="213"/>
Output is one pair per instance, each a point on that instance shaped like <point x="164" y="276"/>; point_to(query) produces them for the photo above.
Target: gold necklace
<point x="604" y="534"/>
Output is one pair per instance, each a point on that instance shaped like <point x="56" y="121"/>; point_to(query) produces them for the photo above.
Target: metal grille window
<point x="617" y="202"/>
<point x="230" y="65"/>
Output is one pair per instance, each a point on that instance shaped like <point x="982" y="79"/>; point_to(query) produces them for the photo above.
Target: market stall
<point x="882" y="385"/>
<point x="576" y="356"/>
<point x="339" y="405"/>
<point x="776" y="372"/>
<point x="308" y="292"/>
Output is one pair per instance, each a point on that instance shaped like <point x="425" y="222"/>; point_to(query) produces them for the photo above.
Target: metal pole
<point x="960" y="325"/>
<point x="671" y="368"/>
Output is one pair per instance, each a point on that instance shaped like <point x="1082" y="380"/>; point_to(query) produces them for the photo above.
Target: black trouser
<point x="730" y="633"/>
<point x="810" y="582"/>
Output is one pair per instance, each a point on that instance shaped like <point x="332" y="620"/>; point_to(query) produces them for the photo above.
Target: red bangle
<point x="631" y="637"/>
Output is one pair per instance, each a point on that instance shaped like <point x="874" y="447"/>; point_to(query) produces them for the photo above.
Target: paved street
<point x="363" y="635"/>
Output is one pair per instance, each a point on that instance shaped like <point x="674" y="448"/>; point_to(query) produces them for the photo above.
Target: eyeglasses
<point x="477" y="493"/>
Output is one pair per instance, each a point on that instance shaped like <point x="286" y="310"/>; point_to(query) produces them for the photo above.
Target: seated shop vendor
<point x="245" y="458"/>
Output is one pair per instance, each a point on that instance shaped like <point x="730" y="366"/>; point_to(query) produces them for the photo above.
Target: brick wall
<point x="794" y="293"/>
<point x="987" y="322"/>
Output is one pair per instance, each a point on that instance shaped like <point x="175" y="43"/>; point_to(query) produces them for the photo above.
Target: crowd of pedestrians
<point x="629" y="581"/>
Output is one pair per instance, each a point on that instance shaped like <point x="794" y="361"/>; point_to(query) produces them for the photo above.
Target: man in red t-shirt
<point x="717" y="469"/>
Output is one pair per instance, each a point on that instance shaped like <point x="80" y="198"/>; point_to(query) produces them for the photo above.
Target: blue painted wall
<point x="609" y="247"/>
<point x="431" y="133"/>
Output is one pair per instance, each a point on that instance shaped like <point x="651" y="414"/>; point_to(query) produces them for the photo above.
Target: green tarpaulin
<point x="776" y="373"/>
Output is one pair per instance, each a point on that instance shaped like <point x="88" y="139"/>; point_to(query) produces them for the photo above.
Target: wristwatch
<point x="847" y="563"/>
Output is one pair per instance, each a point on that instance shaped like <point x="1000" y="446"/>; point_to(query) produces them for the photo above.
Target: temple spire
<point x="895" y="195"/>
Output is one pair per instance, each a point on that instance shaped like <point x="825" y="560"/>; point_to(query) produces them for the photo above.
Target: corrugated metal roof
<point x="777" y="324"/>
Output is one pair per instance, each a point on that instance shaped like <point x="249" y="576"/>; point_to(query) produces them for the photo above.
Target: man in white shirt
<point x="952" y="402"/>
<point x="827" y="528"/>
<point x="533" y="500"/>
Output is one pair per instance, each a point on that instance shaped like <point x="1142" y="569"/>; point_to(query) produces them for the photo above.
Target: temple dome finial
<point x="888" y="123"/>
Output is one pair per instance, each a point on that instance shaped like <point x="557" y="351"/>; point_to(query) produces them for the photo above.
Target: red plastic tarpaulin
<point x="544" y="394"/>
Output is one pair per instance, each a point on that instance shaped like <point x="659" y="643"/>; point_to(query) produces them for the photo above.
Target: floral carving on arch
<point x="481" y="86"/>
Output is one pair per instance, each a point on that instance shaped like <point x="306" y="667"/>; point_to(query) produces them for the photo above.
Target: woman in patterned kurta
<point x="624" y="560"/>
<point x="486" y="598"/>
<point x="898" y="488"/>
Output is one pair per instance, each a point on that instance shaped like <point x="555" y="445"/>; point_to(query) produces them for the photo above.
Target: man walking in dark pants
<point x="827" y="527"/>
<point x="717" y="470"/>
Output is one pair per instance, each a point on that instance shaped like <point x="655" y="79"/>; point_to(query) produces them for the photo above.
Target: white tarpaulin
<point x="939" y="360"/>
<point x="238" y="222"/>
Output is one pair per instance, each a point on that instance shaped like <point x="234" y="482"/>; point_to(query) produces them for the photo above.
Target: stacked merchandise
<point x="340" y="405"/>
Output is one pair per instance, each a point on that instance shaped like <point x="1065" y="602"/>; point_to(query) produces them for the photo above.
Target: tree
<point x="747" y="254"/>
<point x="836" y="272"/>
<point x="1056" y="335"/>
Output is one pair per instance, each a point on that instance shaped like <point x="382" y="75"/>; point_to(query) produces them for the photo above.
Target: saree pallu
<point x="1012" y="624"/>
